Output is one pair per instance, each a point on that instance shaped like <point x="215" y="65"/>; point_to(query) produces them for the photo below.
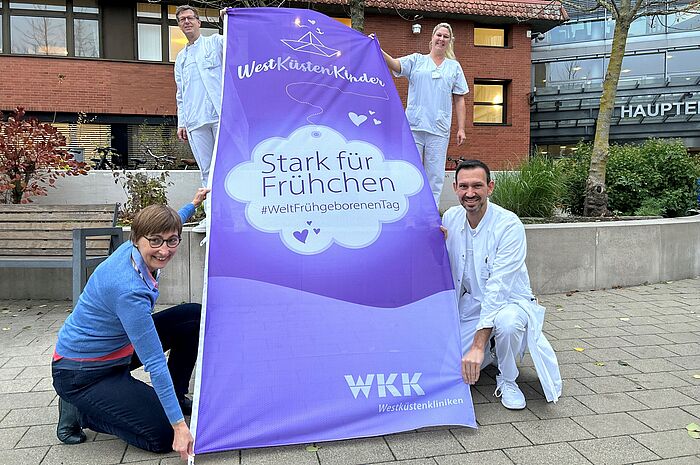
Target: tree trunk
<point x="596" y="202"/>
<point x="357" y="14"/>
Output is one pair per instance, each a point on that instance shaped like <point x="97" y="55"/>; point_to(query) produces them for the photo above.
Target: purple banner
<point x="329" y="309"/>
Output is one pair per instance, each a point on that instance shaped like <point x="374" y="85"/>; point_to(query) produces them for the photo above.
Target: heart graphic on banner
<point x="372" y="112"/>
<point x="301" y="235"/>
<point x="376" y="121"/>
<point x="317" y="230"/>
<point x="357" y="119"/>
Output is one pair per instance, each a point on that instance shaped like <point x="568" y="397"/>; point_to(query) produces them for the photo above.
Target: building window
<point x="210" y="21"/>
<point x="489" y="37"/>
<point x="683" y="63"/>
<point x="645" y="26"/>
<point x="38" y="28"/>
<point x="581" y="31"/>
<point x="84" y="138"/>
<point x="160" y="38"/>
<point x="87" y="37"/>
<point x="178" y="39"/>
<point x="647" y="68"/>
<point x="148" y="10"/>
<point x="569" y="73"/>
<point x="53" y="27"/>
<point x="685" y="21"/>
<point x="148" y="30"/>
<point x="150" y="47"/>
<point x="490" y="102"/>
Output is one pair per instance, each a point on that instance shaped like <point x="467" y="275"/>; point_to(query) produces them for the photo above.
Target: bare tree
<point x="624" y="12"/>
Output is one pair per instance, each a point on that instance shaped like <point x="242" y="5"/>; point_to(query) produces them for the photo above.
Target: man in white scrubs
<point x="487" y="249"/>
<point x="198" y="74"/>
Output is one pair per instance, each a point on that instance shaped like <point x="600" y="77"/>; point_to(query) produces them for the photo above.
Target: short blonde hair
<point x="450" y="52"/>
<point x="155" y="219"/>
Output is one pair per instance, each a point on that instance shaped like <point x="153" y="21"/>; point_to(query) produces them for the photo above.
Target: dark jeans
<point x="111" y="401"/>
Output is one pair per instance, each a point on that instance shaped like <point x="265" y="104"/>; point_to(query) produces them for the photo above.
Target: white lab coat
<point x="209" y="59"/>
<point x="499" y="262"/>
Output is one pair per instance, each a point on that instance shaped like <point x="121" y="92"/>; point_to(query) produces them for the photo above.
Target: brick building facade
<point x="128" y="85"/>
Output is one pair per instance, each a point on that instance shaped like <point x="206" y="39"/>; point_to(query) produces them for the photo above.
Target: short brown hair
<point x="155" y="219"/>
<point x="182" y="8"/>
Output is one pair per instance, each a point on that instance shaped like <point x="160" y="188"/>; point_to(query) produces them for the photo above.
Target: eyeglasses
<point x="182" y="19"/>
<point x="157" y="241"/>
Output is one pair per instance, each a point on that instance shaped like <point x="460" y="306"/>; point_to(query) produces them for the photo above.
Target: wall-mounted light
<point x="416" y="28"/>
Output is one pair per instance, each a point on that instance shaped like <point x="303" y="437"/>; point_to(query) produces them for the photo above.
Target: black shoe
<point x="68" y="430"/>
<point x="186" y="405"/>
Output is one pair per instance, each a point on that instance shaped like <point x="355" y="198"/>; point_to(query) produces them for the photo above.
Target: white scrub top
<point x="430" y="90"/>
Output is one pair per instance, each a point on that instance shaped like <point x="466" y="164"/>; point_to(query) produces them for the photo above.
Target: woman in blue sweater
<point x="112" y="331"/>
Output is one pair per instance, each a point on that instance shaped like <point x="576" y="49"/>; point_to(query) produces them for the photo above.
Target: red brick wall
<point x="496" y="145"/>
<point x="100" y="86"/>
<point x="91" y="86"/>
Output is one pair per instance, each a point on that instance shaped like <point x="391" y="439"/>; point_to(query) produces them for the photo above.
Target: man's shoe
<point x="186" y="405"/>
<point x="201" y="227"/>
<point x="68" y="430"/>
<point x="511" y="396"/>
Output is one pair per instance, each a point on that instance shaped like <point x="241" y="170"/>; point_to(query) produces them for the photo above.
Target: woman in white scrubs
<point x="435" y="82"/>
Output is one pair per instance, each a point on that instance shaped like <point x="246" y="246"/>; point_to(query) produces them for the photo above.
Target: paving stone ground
<point x="630" y="359"/>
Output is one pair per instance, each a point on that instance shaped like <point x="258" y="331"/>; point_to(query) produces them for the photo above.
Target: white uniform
<point x="429" y="110"/>
<point x="198" y="75"/>
<point x="498" y="294"/>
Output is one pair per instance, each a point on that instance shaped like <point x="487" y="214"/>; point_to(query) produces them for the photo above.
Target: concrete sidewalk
<point x="630" y="359"/>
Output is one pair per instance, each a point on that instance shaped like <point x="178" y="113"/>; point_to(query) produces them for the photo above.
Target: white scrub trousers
<point x="202" y="142"/>
<point x="509" y="333"/>
<point x="433" y="153"/>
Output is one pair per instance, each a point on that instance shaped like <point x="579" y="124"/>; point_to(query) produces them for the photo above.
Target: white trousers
<point x="509" y="332"/>
<point x="433" y="153"/>
<point x="202" y="142"/>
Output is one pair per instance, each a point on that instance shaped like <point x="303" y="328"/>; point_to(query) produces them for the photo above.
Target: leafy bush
<point x="141" y="191"/>
<point x="32" y="157"/>
<point x="533" y="190"/>
<point x="657" y="177"/>
<point x="650" y="207"/>
<point x="574" y="170"/>
<point x="678" y="174"/>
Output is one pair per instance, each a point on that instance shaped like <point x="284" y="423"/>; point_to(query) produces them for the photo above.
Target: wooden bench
<point x="56" y="236"/>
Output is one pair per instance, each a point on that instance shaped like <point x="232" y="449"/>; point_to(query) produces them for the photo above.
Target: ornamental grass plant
<point x="534" y="189"/>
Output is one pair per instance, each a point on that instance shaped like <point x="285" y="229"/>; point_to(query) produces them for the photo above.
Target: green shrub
<point x="630" y="177"/>
<point x="141" y="191"/>
<point x="678" y="174"/>
<point x="650" y="207"/>
<point x="533" y="190"/>
<point x="658" y="177"/>
<point x="574" y="170"/>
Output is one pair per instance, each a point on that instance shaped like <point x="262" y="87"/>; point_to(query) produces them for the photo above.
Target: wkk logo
<point x="385" y="383"/>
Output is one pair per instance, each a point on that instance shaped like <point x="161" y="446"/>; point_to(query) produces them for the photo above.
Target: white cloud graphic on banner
<point x="316" y="188"/>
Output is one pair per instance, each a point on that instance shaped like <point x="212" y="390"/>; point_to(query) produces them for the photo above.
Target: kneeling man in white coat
<point x="487" y="249"/>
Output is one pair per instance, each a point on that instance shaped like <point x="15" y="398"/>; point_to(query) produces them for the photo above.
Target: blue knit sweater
<point x="113" y="311"/>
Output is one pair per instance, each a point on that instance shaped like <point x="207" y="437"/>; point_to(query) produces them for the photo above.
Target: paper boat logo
<point x="309" y="43"/>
